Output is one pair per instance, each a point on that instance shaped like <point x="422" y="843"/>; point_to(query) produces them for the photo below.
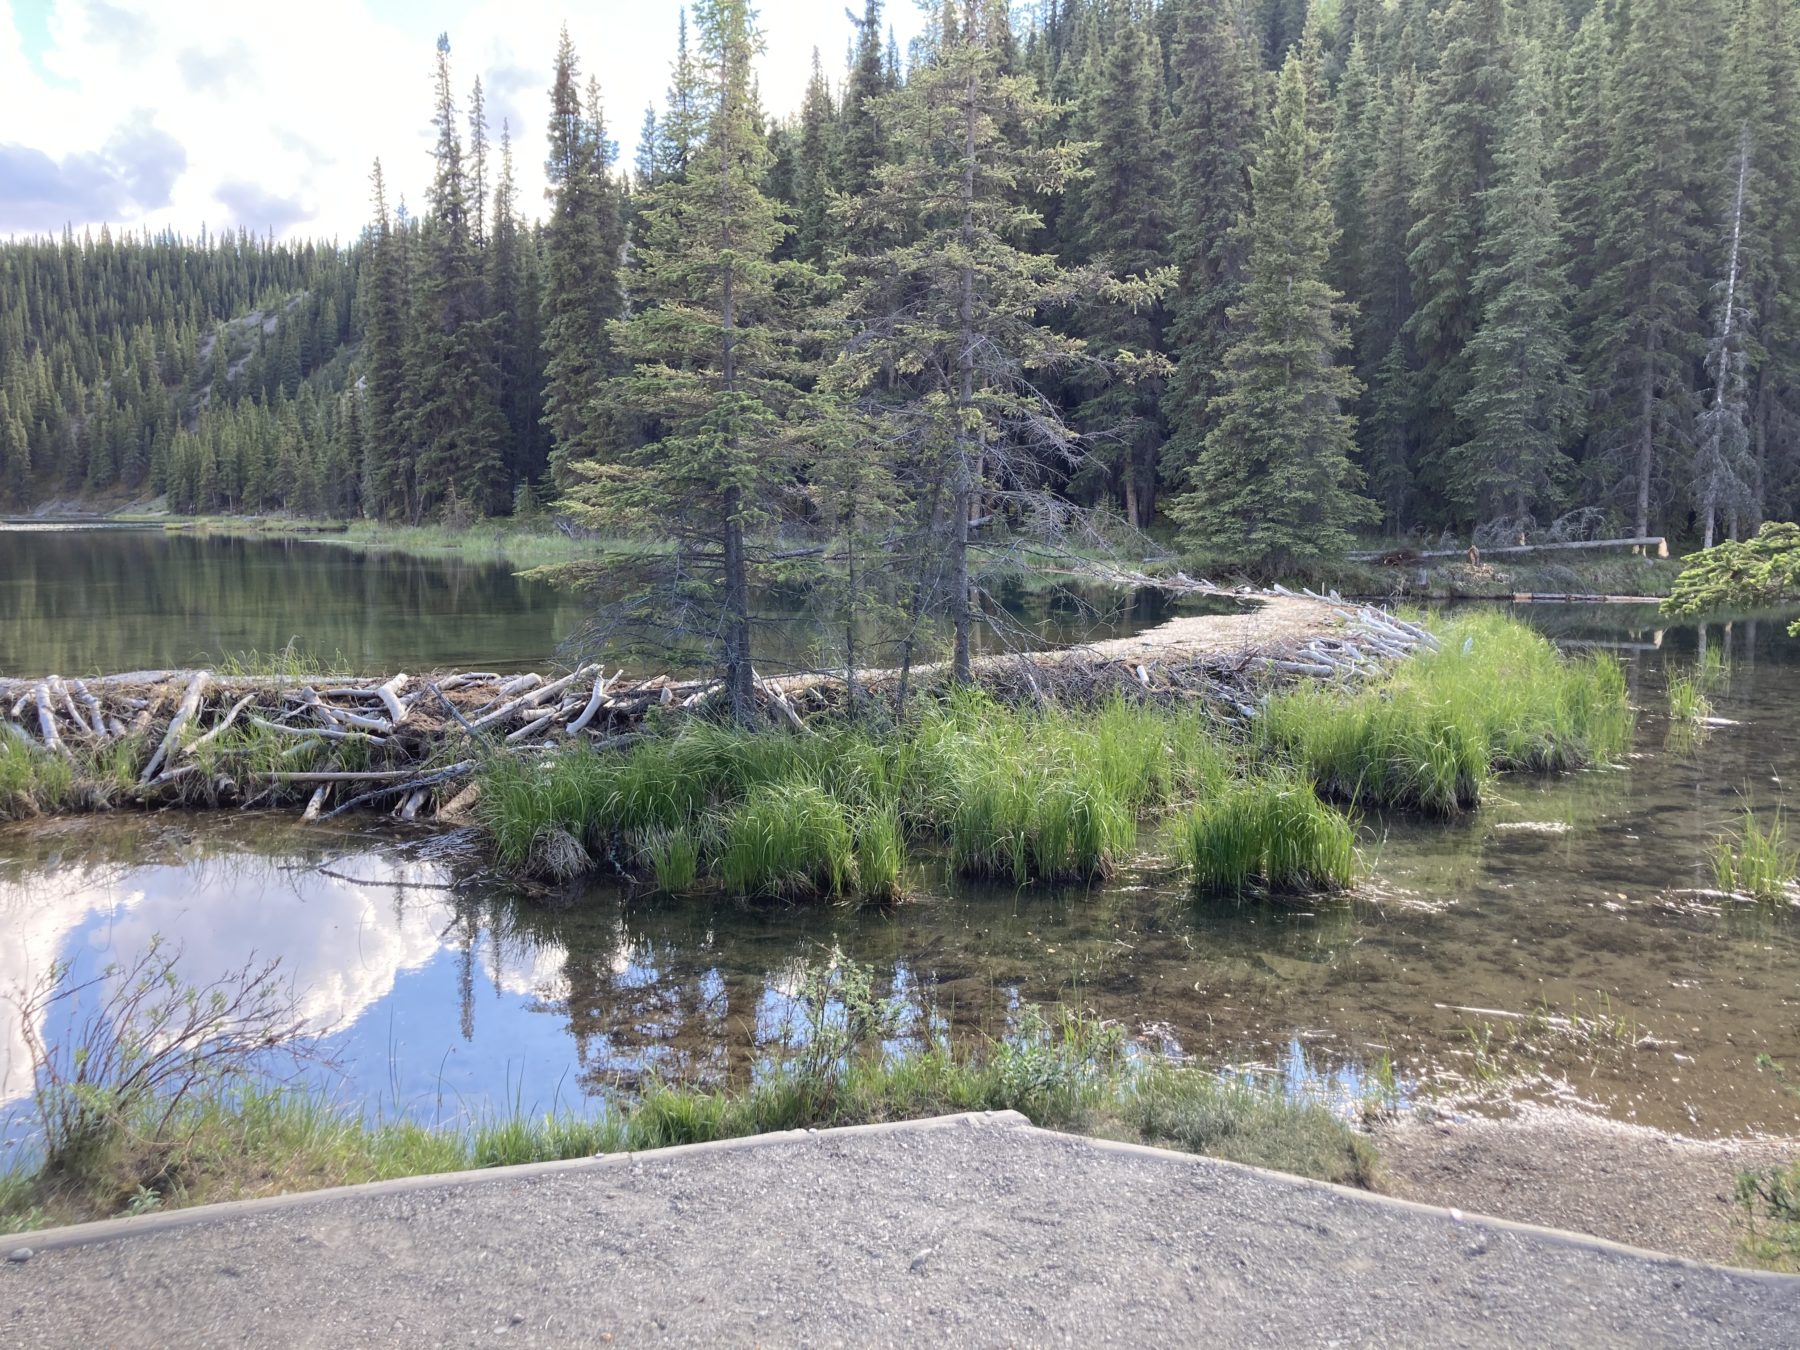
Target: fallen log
<point x="190" y="704"/>
<point x="429" y="780"/>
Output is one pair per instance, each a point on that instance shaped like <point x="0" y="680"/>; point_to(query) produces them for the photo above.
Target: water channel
<point x="448" y="995"/>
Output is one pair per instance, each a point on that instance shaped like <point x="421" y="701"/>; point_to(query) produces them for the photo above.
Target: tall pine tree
<point x="1274" y="485"/>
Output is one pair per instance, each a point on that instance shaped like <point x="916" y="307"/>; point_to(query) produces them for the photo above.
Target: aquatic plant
<point x="1756" y="860"/>
<point x="1270" y="834"/>
<point x="791" y="840"/>
<point x="1686" y="701"/>
<point x="1496" y="697"/>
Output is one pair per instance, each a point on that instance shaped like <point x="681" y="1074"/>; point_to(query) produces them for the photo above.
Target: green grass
<point x="1757" y="861"/>
<point x="1059" y="794"/>
<point x="1496" y="697"/>
<point x="1770" y="1199"/>
<point x="1687" y="701"/>
<point x="1268" y="834"/>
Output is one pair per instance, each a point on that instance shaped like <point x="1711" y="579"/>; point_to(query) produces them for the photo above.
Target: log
<point x="409" y="809"/>
<point x="341" y="775"/>
<point x="461" y="804"/>
<point x="390" y="695"/>
<point x="190" y="704"/>
<point x="47" y="719"/>
<point x="429" y="780"/>
<point x="323" y="733"/>
<point x="96" y="714"/>
<point x="223" y="726"/>
<point x="529" y="700"/>
<point x="316" y="802"/>
<point x="531" y="729"/>
<point x="1636" y="541"/>
<point x="593" y="703"/>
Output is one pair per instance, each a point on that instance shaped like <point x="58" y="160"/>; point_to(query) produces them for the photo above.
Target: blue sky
<point x="183" y="113"/>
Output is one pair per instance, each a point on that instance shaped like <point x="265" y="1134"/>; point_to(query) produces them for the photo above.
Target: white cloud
<point x="277" y="112"/>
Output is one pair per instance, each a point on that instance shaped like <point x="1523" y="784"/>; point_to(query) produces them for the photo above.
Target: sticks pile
<point x="202" y="738"/>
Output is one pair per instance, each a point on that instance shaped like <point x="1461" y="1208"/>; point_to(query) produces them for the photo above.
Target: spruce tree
<point x="711" y="356"/>
<point x="456" y="423"/>
<point x="1125" y="223"/>
<point x="1524" y="397"/>
<point x="1211" y="140"/>
<point x="1460" y="125"/>
<point x="581" y="294"/>
<point x="955" y="311"/>
<point x="1274" y="484"/>
<point x="1646" y="305"/>
<point x="388" y="469"/>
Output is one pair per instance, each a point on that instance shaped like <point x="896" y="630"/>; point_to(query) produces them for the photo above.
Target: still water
<point x="448" y="996"/>
<point x="85" y="601"/>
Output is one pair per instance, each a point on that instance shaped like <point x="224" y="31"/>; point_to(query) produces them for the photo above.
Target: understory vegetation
<point x="128" y="1129"/>
<point x="1057" y="794"/>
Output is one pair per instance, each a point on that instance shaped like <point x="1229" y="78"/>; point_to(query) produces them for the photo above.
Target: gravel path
<point x="969" y="1230"/>
<point x="1586" y="1173"/>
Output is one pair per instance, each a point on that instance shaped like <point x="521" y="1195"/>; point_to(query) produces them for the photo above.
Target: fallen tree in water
<point x="411" y="743"/>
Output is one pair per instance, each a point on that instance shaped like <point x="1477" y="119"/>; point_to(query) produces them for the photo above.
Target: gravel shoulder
<point x="1567" y="1169"/>
<point x="966" y="1230"/>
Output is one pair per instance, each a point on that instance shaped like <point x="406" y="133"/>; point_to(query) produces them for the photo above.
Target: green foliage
<point x="1757" y="860"/>
<point x="1770" y="1199"/>
<point x="789" y="840"/>
<point x="1686" y="701"/>
<point x="1496" y="696"/>
<point x="1274" y="483"/>
<point x="1272" y="835"/>
<point x="1752" y="573"/>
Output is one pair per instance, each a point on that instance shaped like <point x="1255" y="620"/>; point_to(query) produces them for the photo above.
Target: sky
<point x="184" y="113"/>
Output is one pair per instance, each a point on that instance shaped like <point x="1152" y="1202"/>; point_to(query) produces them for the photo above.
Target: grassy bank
<point x="1501" y="578"/>
<point x="1060" y="794"/>
<point x="231" y="1142"/>
<point x="528" y="543"/>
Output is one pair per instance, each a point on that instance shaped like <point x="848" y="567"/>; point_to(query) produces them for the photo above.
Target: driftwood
<point x="1636" y="542"/>
<point x="380" y="738"/>
<point x="190" y="704"/>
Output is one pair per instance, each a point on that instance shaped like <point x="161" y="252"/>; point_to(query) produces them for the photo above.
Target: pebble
<point x="19" y="1255"/>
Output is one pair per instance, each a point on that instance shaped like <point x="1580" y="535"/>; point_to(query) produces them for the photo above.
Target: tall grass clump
<point x="31" y="779"/>
<point x="1687" y="699"/>
<point x="1496" y="696"/>
<point x="1757" y="861"/>
<point x="1270" y="834"/>
<point x="789" y="840"/>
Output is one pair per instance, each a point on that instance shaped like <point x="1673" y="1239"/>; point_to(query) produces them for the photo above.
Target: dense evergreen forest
<point x="1270" y="273"/>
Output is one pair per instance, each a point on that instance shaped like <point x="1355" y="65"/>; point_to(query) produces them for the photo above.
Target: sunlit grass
<point x="1757" y="861"/>
<point x="1272" y="835"/>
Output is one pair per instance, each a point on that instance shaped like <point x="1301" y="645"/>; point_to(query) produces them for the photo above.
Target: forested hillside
<point x="1271" y="273"/>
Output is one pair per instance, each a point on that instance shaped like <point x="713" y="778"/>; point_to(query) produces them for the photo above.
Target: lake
<point x="1572" y="909"/>
<point x="97" y="600"/>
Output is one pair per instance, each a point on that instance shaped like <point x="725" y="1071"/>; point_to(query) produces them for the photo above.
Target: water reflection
<point x="448" y="997"/>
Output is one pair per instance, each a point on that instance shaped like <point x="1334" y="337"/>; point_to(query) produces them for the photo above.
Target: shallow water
<point x="450" y="998"/>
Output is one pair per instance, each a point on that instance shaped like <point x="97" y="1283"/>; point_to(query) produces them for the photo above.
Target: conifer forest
<point x="1267" y="277"/>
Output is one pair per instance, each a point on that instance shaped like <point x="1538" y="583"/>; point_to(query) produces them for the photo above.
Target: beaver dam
<point x="411" y="743"/>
